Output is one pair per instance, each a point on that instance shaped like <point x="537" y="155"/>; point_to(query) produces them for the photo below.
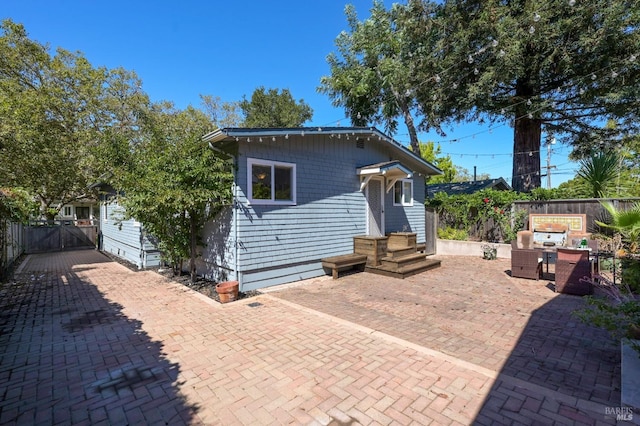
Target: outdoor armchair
<point x="525" y="263"/>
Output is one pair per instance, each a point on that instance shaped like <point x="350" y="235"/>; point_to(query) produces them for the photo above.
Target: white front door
<point x="375" y="208"/>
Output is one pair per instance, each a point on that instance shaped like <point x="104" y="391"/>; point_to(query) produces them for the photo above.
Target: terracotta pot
<point x="227" y="291"/>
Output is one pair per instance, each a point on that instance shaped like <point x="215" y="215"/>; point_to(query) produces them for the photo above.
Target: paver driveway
<point x="86" y="341"/>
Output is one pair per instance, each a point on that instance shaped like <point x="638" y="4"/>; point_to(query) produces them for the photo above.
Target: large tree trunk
<point x="526" y="154"/>
<point x="413" y="134"/>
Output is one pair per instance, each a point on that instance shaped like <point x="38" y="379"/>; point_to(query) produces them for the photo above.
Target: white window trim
<point x="268" y="163"/>
<point x="64" y="211"/>
<point x="402" y="195"/>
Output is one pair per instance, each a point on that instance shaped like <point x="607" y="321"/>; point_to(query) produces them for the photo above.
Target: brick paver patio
<point x="86" y="341"/>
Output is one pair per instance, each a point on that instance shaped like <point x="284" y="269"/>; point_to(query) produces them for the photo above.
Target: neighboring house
<point x="302" y="194"/>
<point x="85" y="212"/>
<point x="458" y="188"/>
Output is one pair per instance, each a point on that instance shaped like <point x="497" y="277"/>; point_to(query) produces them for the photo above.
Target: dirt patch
<point x="201" y="284"/>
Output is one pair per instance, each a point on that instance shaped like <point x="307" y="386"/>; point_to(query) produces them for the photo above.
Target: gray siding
<point x="407" y="218"/>
<point x="218" y="251"/>
<point x="279" y="244"/>
<point x="124" y="238"/>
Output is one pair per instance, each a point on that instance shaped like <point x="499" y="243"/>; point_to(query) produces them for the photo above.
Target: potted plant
<point x="489" y="251"/>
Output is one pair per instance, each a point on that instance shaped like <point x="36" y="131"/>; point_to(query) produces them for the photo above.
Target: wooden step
<point x="405" y="271"/>
<point x="395" y="263"/>
<point x="396" y="252"/>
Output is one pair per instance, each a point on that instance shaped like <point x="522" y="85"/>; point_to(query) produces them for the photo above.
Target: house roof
<point x="401" y="153"/>
<point x="468" y="187"/>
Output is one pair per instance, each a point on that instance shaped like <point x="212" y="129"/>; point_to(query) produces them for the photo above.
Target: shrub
<point x="449" y="233"/>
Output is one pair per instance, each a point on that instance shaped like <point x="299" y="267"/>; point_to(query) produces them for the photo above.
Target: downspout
<point x="234" y="160"/>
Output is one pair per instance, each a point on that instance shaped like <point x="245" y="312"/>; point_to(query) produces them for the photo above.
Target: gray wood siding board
<point x="125" y="239"/>
<point x="123" y="251"/>
<point x="282" y="275"/>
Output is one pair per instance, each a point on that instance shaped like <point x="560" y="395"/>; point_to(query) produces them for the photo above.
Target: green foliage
<point x="173" y="182"/>
<point x="561" y="73"/>
<point x="16" y="205"/>
<point x="600" y="172"/>
<point x="432" y="153"/>
<point x="221" y="114"/>
<point x="544" y="194"/>
<point x="370" y="73"/>
<point x="626" y="222"/>
<point x="449" y="233"/>
<point x="617" y="310"/>
<point x="273" y="109"/>
<point x="630" y="274"/>
<point x="56" y="111"/>
<point x="487" y="213"/>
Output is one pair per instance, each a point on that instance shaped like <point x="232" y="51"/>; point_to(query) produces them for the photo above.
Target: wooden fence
<point x="591" y="207"/>
<point x="42" y="239"/>
<point x="11" y="245"/>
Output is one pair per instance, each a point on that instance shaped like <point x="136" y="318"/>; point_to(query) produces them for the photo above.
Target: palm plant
<point x="600" y="171"/>
<point x="626" y="222"/>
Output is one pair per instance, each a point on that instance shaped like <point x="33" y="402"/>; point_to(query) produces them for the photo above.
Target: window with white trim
<point x="403" y="193"/>
<point x="67" y="211"/>
<point x="271" y="182"/>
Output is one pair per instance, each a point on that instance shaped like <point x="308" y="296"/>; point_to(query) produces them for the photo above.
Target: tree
<point x="559" y="67"/>
<point x="432" y="153"/>
<point x="562" y="67"/>
<point x="221" y="114"/>
<point x="55" y="112"/>
<point x="273" y="109"/>
<point x="174" y="182"/>
<point x="371" y="72"/>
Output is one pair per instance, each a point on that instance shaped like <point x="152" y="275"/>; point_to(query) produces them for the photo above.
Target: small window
<point x="67" y="211"/>
<point x="403" y="193"/>
<point x="271" y="182"/>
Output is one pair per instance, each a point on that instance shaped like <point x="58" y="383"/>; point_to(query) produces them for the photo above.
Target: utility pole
<point x="550" y="141"/>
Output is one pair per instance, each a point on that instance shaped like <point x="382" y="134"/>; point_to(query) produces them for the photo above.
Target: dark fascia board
<point x="236" y="133"/>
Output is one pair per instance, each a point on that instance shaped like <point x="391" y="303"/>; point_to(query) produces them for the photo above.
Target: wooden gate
<point x="42" y="239"/>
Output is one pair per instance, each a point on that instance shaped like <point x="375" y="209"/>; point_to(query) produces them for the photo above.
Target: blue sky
<point x="181" y="49"/>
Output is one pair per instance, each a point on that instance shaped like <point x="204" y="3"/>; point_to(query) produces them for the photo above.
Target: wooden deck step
<point x="391" y="262"/>
<point x="404" y="271"/>
<point x="343" y="262"/>
<point x="396" y="252"/>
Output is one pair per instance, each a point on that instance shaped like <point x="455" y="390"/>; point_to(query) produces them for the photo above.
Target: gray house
<point x="302" y="194"/>
<point x="124" y="238"/>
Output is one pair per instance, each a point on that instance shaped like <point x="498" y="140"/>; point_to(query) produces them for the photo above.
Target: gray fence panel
<point x="43" y="239"/>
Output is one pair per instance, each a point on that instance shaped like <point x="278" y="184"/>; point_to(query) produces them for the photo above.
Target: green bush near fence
<point x="486" y="215"/>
